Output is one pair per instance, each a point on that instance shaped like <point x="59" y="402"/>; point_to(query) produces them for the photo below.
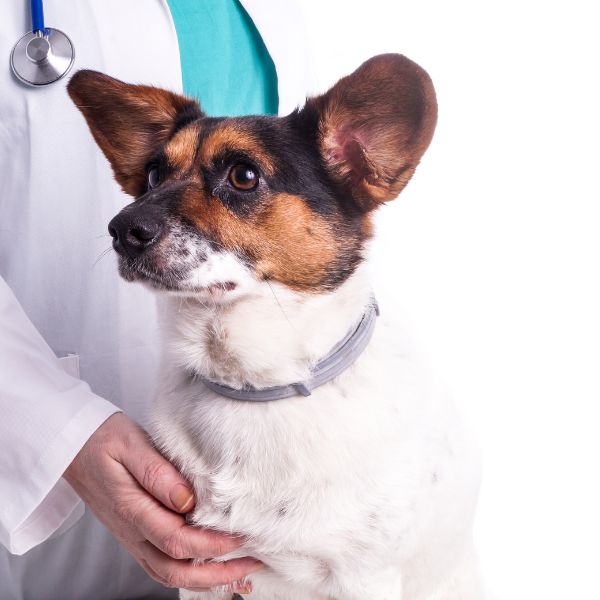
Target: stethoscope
<point x="43" y="55"/>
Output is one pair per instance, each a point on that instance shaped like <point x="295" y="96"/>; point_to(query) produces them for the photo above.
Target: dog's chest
<point x="344" y="467"/>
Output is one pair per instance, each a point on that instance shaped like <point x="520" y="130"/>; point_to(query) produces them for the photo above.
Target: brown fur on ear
<point x="129" y="122"/>
<point x="374" y="126"/>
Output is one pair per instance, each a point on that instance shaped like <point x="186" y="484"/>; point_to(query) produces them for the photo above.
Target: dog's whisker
<point x="280" y="306"/>
<point x="102" y="255"/>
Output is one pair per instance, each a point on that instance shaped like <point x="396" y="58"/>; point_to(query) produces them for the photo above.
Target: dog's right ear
<point x="129" y="122"/>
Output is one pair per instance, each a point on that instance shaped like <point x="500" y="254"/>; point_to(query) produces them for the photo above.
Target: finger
<point x="156" y="474"/>
<point x="146" y="566"/>
<point x="186" y="574"/>
<point x="172" y="536"/>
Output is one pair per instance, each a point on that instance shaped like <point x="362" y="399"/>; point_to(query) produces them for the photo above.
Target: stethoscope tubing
<point x="37" y="16"/>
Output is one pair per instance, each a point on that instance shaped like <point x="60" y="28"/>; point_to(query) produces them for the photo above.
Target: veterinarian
<point x="77" y="345"/>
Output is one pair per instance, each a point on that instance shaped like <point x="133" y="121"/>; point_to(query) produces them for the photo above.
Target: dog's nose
<point x="134" y="232"/>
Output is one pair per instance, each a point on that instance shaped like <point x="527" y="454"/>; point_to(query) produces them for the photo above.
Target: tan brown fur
<point x="286" y="240"/>
<point x="233" y="136"/>
<point x="180" y="151"/>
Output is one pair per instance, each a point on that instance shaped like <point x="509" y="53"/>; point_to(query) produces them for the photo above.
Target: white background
<point x="493" y="252"/>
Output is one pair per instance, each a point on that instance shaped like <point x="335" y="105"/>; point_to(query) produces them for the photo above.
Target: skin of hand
<point x="140" y="497"/>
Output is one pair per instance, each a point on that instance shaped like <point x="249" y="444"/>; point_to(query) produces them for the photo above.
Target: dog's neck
<point x="273" y="336"/>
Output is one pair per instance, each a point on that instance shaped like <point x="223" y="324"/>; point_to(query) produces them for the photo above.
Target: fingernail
<point x="257" y="566"/>
<point x="182" y="497"/>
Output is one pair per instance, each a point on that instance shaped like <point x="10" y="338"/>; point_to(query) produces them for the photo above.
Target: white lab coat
<point x="62" y="296"/>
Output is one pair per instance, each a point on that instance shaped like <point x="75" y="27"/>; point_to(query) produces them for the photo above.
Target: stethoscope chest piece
<point x="42" y="57"/>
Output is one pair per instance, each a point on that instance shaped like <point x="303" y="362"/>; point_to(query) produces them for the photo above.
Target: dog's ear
<point x="374" y="125"/>
<point x="129" y="122"/>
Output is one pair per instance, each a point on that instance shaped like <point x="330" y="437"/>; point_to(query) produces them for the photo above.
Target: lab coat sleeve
<point x="46" y="416"/>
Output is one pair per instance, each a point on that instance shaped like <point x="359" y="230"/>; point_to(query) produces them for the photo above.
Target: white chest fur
<point x="365" y="489"/>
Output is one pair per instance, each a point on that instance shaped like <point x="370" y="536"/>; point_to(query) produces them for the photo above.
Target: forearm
<point x="45" y="418"/>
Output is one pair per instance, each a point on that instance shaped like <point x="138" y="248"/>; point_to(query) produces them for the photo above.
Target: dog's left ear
<point x="129" y="122"/>
<point x="374" y="125"/>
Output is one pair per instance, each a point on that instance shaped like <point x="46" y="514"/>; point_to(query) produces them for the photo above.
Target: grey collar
<point x="341" y="356"/>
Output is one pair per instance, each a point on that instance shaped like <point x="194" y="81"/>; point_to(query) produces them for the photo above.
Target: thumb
<point x="157" y="475"/>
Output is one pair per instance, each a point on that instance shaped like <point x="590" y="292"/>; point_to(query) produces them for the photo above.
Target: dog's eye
<point x="153" y="177"/>
<point x="243" y="177"/>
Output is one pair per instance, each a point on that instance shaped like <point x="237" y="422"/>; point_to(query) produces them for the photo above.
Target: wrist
<point x="102" y="437"/>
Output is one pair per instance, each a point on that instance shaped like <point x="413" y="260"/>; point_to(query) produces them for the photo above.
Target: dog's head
<point x="225" y="204"/>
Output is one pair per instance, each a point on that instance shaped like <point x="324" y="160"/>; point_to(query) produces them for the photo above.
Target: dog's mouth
<point x="171" y="280"/>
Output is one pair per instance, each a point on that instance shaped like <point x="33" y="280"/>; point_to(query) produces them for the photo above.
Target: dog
<point x="361" y="482"/>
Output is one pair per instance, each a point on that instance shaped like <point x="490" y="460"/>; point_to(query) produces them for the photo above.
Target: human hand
<point x="138" y="494"/>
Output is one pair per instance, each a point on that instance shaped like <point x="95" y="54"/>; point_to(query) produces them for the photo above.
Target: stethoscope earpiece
<point x="43" y="55"/>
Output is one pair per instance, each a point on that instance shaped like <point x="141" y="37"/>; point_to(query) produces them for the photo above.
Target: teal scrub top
<point x="224" y="61"/>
